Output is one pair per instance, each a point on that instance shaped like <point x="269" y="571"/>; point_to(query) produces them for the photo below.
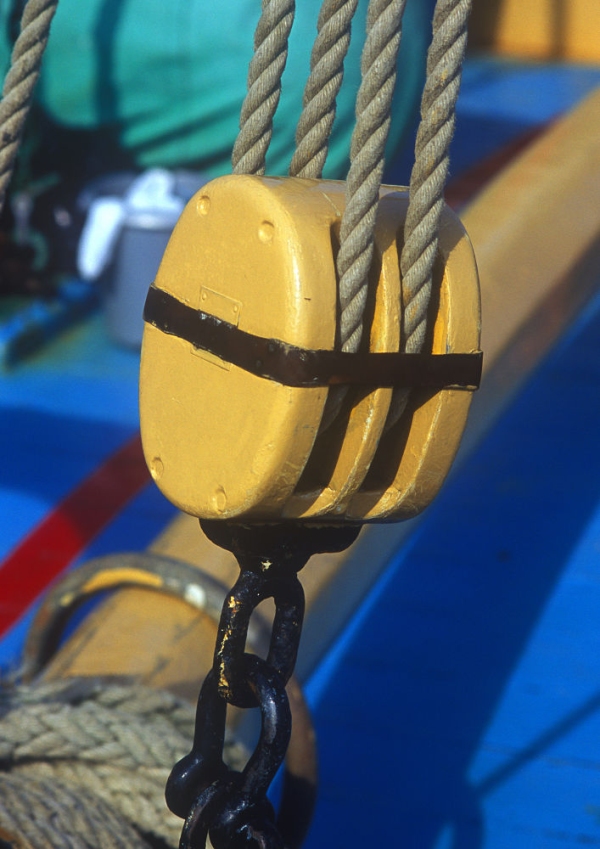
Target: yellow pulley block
<point x="239" y="356"/>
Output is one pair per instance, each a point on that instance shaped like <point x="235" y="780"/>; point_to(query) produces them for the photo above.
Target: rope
<point x="322" y="87"/>
<point x="46" y="815"/>
<point x="373" y="110"/>
<point x="438" y="107"/>
<point x="20" y="82"/>
<point x="373" y="118"/>
<point x="119" y="741"/>
<point x="264" y="86"/>
<point x="99" y="754"/>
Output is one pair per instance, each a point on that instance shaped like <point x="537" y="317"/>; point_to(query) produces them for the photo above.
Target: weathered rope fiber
<point x="373" y="118"/>
<point x="264" y="86"/>
<point x="20" y="82"/>
<point x="373" y="111"/>
<point x="429" y="173"/>
<point x="109" y="747"/>
<point x="322" y="87"/>
<point x="47" y="815"/>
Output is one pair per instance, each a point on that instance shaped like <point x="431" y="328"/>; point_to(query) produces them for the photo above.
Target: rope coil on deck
<point x="85" y="763"/>
<point x="89" y="746"/>
<point x="99" y="751"/>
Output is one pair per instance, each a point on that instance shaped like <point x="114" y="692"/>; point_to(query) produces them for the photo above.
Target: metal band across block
<point x="252" y="262"/>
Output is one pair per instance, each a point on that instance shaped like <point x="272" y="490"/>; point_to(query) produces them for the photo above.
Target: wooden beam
<point x="538" y="29"/>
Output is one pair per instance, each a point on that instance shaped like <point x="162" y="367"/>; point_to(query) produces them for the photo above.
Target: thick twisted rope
<point x="264" y="86"/>
<point x="20" y="82"/>
<point x="322" y="87"/>
<point x="429" y="173"/>
<point x="373" y="118"/>
<point x="109" y="746"/>
<point x="373" y="111"/>
<point x="38" y="814"/>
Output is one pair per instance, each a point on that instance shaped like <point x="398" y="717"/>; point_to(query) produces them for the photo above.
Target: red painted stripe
<point x="71" y="526"/>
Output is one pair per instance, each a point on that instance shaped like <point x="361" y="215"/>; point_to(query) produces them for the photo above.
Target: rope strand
<point x="438" y="108"/>
<point x="322" y="87"/>
<point x="373" y="118"/>
<point x="373" y="111"/>
<point x="20" y="82"/>
<point x="264" y="86"/>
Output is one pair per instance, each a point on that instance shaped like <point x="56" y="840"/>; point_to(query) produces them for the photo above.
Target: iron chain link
<point x="213" y="799"/>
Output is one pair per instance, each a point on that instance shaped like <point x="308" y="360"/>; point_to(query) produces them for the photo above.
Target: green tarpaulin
<point x="168" y="78"/>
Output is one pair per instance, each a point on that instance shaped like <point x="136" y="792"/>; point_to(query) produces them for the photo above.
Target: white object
<point x="151" y="194"/>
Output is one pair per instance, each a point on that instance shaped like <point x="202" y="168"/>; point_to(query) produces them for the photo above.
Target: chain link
<point x="232" y="806"/>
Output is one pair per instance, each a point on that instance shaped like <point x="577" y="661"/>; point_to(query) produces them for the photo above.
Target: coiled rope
<point x="116" y="742"/>
<point x="20" y="82"/>
<point x="97" y="754"/>
<point x="89" y="745"/>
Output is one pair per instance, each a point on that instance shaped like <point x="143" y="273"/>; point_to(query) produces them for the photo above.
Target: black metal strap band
<point x="293" y="366"/>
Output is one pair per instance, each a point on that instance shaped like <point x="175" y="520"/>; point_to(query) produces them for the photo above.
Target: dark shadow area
<point x="483" y="22"/>
<point x="422" y="674"/>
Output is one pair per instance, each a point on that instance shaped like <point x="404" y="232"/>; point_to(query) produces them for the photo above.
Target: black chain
<point x="212" y="798"/>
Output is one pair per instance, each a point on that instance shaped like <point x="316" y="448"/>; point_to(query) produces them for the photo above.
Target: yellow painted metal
<point x="414" y="458"/>
<point x="222" y="443"/>
<point x="342" y="454"/>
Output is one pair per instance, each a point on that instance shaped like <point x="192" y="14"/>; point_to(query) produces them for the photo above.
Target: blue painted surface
<point x="462" y="706"/>
<point x="499" y="101"/>
<point x="31" y="327"/>
<point x="63" y="412"/>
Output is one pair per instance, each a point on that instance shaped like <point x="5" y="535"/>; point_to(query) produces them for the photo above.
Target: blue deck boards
<point x="460" y="709"/>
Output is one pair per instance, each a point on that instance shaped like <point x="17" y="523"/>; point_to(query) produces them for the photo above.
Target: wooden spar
<point x="536" y="233"/>
<point x="538" y="29"/>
